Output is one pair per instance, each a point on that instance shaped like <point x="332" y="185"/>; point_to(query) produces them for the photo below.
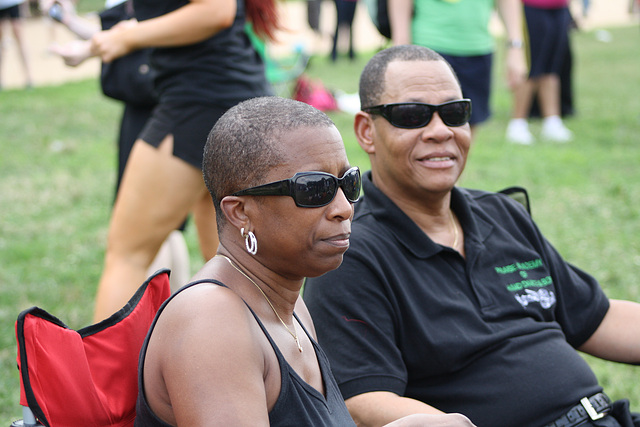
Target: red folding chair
<point x="88" y="377"/>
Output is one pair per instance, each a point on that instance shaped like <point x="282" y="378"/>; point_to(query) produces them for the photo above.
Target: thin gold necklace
<point x="293" y="334"/>
<point x="455" y="230"/>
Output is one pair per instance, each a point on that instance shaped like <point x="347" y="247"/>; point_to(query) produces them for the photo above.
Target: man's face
<point x="414" y="163"/>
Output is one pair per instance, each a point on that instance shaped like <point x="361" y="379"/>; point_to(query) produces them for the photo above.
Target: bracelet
<point x="515" y="44"/>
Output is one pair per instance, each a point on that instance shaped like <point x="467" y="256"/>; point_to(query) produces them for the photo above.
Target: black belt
<point x="592" y="408"/>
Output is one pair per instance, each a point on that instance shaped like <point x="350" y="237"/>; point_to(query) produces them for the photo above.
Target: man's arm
<point x="400" y="19"/>
<point x="618" y="336"/>
<point x="381" y="407"/>
<point x="510" y="12"/>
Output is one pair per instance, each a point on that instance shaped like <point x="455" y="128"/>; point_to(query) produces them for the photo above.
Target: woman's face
<point x="298" y="241"/>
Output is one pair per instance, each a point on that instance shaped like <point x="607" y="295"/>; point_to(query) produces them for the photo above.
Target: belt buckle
<point x="593" y="414"/>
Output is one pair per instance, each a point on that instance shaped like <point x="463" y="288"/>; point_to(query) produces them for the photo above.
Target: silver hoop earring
<point x="250" y="241"/>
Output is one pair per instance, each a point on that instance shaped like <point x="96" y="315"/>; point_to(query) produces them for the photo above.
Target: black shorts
<point x="189" y="124"/>
<point x="474" y="74"/>
<point x="12" y="12"/>
<point x="548" y="31"/>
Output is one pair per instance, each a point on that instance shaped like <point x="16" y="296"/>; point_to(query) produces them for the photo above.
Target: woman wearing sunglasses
<point x="237" y="347"/>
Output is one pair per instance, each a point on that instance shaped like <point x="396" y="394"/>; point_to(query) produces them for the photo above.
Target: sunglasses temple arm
<point x="279" y="188"/>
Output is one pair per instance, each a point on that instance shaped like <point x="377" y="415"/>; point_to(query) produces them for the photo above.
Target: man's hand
<point x="383" y="408"/>
<point x="517" y="71"/>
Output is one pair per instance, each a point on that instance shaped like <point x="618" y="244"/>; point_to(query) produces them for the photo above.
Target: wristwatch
<point x="515" y="43"/>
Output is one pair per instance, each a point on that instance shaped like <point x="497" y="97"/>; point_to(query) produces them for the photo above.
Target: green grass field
<point x="57" y="173"/>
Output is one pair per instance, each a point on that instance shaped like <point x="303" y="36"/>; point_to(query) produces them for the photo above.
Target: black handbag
<point x="130" y="77"/>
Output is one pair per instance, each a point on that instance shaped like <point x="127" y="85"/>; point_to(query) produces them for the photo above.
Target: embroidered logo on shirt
<point x="527" y="289"/>
<point x="544" y="297"/>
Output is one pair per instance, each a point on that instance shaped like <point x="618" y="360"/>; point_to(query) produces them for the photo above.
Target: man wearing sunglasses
<point x="449" y="299"/>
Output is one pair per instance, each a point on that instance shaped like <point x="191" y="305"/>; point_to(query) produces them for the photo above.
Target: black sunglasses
<point x="414" y="115"/>
<point x="311" y="189"/>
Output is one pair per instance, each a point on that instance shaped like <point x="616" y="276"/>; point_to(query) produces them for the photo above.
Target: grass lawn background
<point x="57" y="175"/>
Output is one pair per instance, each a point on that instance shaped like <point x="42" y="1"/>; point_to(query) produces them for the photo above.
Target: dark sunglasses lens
<point x="455" y="113"/>
<point x="410" y="116"/>
<point x="315" y="190"/>
<point x="320" y="189"/>
<point x="351" y="185"/>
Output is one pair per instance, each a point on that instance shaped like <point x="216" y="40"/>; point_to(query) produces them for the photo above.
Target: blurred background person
<point x="345" y="13"/>
<point x="205" y="64"/>
<point x="459" y="31"/>
<point x="173" y="253"/>
<point x="10" y="10"/>
<point x="547" y="31"/>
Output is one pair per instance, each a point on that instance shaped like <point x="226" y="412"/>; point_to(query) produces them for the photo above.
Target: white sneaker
<point x="518" y="132"/>
<point x="554" y="130"/>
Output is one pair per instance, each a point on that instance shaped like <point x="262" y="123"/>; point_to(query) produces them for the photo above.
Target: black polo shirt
<point x="491" y="336"/>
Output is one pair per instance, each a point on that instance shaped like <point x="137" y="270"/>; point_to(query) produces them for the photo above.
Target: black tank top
<point x="298" y="405"/>
<point x="222" y="70"/>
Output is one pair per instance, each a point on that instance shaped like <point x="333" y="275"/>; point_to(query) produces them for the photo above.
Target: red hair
<point x="263" y="15"/>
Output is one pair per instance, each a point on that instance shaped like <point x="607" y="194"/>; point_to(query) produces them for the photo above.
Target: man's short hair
<point x="243" y="145"/>
<point x="372" y="78"/>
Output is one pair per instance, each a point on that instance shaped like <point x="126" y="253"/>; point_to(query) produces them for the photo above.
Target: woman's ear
<point x="234" y="210"/>
<point x="363" y="128"/>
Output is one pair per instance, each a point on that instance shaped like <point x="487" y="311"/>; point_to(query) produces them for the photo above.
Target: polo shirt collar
<point x="408" y="234"/>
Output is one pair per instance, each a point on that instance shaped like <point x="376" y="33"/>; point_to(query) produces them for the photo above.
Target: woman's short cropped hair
<point x="243" y="145"/>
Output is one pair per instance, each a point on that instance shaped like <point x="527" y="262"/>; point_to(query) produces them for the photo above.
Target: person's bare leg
<point x="174" y="255"/>
<point x="522" y="98"/>
<point x="16" y="25"/>
<point x="553" y="128"/>
<point x="474" y="130"/>
<point x="549" y="95"/>
<point x="181" y="267"/>
<point x="1" y="50"/>
<point x="204" y="216"/>
<point x="157" y="192"/>
<point x="518" y="127"/>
